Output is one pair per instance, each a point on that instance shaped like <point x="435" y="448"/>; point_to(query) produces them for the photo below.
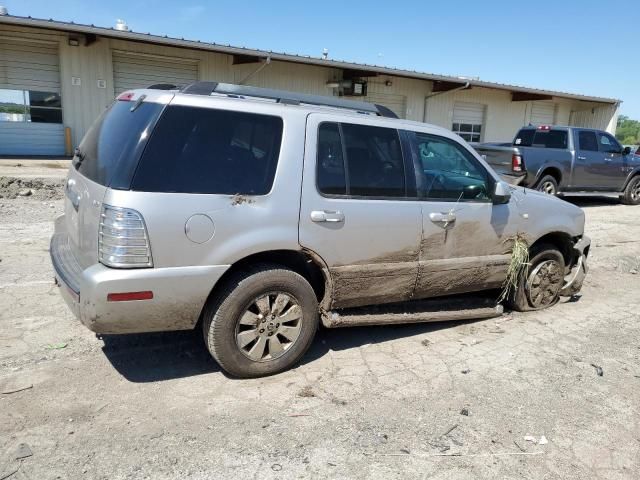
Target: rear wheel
<point x="631" y="194"/>
<point x="261" y="322"/>
<point x="540" y="284"/>
<point x="548" y="184"/>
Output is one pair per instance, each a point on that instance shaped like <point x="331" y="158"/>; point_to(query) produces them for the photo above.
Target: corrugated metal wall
<point x="594" y="116"/>
<point x="93" y="66"/>
<point x="138" y="70"/>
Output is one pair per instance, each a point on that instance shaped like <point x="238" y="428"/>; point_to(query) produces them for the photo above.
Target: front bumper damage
<point x="574" y="279"/>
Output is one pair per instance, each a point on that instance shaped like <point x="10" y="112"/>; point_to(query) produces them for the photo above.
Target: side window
<point x="330" y="164"/>
<point x="373" y="166"/>
<point x="608" y="144"/>
<point x="587" y="141"/>
<point x="374" y="161"/>
<point x="202" y="150"/>
<point x="449" y="171"/>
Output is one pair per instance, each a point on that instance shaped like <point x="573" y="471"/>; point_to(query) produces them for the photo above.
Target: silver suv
<point x="254" y="214"/>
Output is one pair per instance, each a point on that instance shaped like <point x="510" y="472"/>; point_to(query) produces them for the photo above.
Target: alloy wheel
<point x="270" y="326"/>
<point x="635" y="192"/>
<point x="544" y="283"/>
<point x="548" y="187"/>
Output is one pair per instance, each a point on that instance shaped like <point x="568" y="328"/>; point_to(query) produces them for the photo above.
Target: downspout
<point x="463" y="87"/>
<point x="266" y="62"/>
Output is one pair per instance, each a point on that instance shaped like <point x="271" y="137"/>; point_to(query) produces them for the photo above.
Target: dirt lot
<point x="438" y="401"/>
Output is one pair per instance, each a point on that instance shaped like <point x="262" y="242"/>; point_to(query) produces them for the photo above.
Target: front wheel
<point x="548" y="184"/>
<point x="631" y="195"/>
<point x="540" y="284"/>
<point x="261" y="322"/>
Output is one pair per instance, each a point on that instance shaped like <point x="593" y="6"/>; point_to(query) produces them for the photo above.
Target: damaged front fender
<point x="575" y="278"/>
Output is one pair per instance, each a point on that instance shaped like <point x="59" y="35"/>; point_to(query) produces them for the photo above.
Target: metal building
<point x="56" y="78"/>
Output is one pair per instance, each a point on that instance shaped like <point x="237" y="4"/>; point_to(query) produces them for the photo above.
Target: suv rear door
<point x="359" y="211"/>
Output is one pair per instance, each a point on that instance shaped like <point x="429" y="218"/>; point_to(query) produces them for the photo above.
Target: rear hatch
<point x="107" y="157"/>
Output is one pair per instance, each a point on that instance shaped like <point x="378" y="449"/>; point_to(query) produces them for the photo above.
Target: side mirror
<point x="501" y="193"/>
<point x="626" y="150"/>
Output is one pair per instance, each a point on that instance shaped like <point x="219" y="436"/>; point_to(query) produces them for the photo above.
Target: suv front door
<point x="614" y="171"/>
<point x="465" y="237"/>
<point x="356" y="212"/>
<point x="596" y="167"/>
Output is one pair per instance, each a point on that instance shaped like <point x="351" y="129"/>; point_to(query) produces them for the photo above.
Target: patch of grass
<point x="518" y="266"/>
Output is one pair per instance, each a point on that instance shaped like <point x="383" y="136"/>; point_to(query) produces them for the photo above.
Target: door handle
<point x="607" y="159"/>
<point x="582" y="158"/>
<point x="327" y="216"/>
<point x="444" y="218"/>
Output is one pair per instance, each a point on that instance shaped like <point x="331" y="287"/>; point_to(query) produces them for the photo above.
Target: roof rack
<point x="281" y="96"/>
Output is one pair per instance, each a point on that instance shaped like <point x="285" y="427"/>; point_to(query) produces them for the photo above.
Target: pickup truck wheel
<point x="631" y="194"/>
<point x="539" y="286"/>
<point x="261" y="322"/>
<point x="548" y="184"/>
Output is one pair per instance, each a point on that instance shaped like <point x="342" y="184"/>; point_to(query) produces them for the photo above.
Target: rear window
<point x="201" y="150"/>
<point x="541" y="138"/>
<point x="109" y="152"/>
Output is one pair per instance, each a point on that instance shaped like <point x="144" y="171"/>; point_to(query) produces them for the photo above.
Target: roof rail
<point x="282" y="96"/>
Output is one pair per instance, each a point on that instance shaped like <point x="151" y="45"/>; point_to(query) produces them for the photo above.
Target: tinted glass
<point x="550" y="139"/>
<point x="44" y="115"/>
<point x="524" y="137"/>
<point x="44" y="99"/>
<point x="201" y="150"/>
<point x="587" y="141"/>
<point x="330" y="164"/>
<point x="113" y="144"/>
<point x="608" y="143"/>
<point x="374" y="161"/>
<point x="449" y="171"/>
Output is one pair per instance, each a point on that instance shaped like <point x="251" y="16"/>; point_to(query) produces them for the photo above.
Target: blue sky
<point x="580" y="46"/>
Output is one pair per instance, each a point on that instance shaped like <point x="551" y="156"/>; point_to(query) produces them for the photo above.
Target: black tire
<point x="522" y="300"/>
<point x="631" y="195"/>
<point x="223" y="312"/>
<point x="548" y="184"/>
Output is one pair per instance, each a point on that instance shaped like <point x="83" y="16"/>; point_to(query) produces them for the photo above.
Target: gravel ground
<point x="438" y="401"/>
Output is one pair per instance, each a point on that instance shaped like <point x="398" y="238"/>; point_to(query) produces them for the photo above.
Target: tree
<point x="628" y="131"/>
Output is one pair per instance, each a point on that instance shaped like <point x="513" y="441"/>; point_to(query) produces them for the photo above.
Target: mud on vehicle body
<point x="255" y="214"/>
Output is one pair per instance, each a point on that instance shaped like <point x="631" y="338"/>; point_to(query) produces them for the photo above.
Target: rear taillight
<point x="516" y="163"/>
<point x="123" y="241"/>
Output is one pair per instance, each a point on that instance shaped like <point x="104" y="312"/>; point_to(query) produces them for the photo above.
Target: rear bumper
<point x="575" y="278"/>
<point x="179" y="293"/>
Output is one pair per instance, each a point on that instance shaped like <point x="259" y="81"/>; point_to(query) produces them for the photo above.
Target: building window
<point x="30" y="106"/>
<point x="469" y="131"/>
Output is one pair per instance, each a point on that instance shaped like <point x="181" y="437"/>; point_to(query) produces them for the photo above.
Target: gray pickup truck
<point x="565" y="160"/>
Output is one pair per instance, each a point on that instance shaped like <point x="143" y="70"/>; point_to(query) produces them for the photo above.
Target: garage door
<point x="396" y="103"/>
<point x="132" y="70"/>
<point x="468" y="120"/>
<point x="30" y="103"/>
<point x="543" y="113"/>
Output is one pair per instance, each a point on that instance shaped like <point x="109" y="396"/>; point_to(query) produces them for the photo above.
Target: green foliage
<point x="11" y="109"/>
<point x="628" y="131"/>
